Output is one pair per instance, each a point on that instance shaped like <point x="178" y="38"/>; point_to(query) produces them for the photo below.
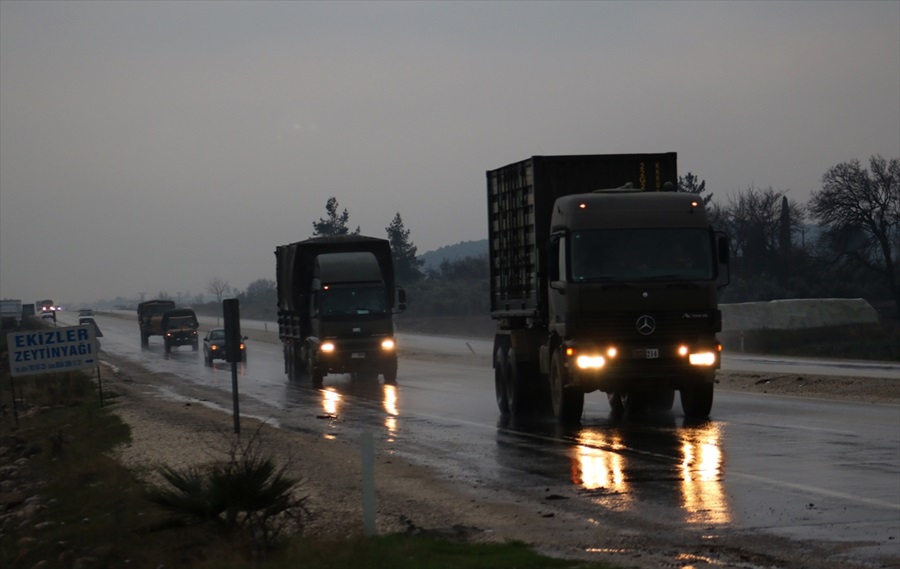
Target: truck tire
<point x="195" y="346"/>
<point x="315" y="374"/>
<point x="568" y="403"/>
<point x="501" y="371"/>
<point x="168" y="347"/>
<point x="145" y="340"/>
<point x="517" y="394"/>
<point x="615" y="402"/>
<point x="390" y="373"/>
<point x="696" y="400"/>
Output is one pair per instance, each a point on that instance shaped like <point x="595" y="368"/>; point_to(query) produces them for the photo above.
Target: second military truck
<point x="602" y="278"/>
<point x="336" y="301"/>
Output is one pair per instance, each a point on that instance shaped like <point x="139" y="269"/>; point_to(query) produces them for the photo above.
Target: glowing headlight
<point x="387" y="344"/>
<point x="214" y="347"/>
<point x="590" y="362"/>
<point x="702" y="359"/>
<point x="327" y="347"/>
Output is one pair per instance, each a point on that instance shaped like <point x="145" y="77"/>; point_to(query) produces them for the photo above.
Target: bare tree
<point x="756" y="221"/>
<point x="860" y="211"/>
<point x="217" y="286"/>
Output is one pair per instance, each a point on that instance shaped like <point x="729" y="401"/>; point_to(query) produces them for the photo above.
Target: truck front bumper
<point x="373" y="355"/>
<point x="666" y="364"/>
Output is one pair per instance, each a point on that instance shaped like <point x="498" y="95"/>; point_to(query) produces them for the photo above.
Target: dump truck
<point x="336" y="300"/>
<point x="179" y="328"/>
<point x="602" y="277"/>
<point x="150" y="318"/>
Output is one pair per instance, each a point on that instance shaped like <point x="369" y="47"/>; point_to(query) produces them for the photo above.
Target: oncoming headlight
<point x="327" y="347"/>
<point x="702" y="359"/>
<point x="590" y="362"/>
<point x="387" y="344"/>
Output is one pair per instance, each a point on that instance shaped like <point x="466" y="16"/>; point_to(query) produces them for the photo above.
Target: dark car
<point x="214" y="346"/>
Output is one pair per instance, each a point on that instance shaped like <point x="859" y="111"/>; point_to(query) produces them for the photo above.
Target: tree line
<point x="843" y="243"/>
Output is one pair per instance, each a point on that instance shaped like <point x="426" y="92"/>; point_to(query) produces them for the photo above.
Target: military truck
<point x="179" y="328"/>
<point x="150" y="318"/>
<point x="336" y="299"/>
<point x="603" y="277"/>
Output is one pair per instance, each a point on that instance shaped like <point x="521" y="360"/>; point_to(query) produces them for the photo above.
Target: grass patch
<point x="66" y="502"/>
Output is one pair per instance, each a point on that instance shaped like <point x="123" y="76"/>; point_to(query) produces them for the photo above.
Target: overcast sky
<point x="149" y="146"/>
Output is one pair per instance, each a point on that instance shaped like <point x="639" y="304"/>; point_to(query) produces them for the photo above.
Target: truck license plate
<point x="652" y="353"/>
<point x="358" y="355"/>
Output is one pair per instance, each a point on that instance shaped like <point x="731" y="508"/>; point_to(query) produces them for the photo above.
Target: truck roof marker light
<point x="612" y="352"/>
<point x="682" y="350"/>
<point x="695" y="204"/>
<point x="570" y="351"/>
<point x="582" y="206"/>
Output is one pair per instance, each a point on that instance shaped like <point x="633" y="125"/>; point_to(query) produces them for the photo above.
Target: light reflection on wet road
<point x="804" y="469"/>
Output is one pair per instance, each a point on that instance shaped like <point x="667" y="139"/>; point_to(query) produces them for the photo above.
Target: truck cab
<point x="633" y="297"/>
<point x="179" y="328"/>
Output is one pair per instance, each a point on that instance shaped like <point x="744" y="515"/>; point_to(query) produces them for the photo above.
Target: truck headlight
<point x="327" y="347"/>
<point x="387" y="344"/>
<point x="590" y="362"/>
<point x="702" y="359"/>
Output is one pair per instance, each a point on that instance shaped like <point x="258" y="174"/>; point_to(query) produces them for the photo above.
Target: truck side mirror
<point x="401" y="299"/>
<point x="724" y="248"/>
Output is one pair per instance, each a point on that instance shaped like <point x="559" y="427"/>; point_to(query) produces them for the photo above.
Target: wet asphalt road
<point x="794" y="468"/>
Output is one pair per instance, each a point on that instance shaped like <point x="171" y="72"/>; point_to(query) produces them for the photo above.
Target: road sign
<point x="50" y="351"/>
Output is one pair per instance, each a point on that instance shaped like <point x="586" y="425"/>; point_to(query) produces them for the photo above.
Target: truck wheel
<point x="501" y="371"/>
<point x="634" y="401"/>
<point x="390" y="374"/>
<point x="615" y="402"/>
<point x="696" y="400"/>
<point x="195" y="346"/>
<point x="517" y="399"/>
<point x="568" y="403"/>
<point x="207" y="360"/>
<point x="315" y="374"/>
<point x="145" y="341"/>
<point x="168" y="347"/>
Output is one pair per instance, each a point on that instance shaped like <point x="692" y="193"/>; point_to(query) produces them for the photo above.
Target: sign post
<point x="35" y="352"/>
<point x="231" y="310"/>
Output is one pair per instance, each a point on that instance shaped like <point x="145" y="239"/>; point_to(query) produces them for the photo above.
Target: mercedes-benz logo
<point x="646" y="325"/>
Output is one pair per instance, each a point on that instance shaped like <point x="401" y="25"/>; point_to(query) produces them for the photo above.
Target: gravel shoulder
<point x="410" y="498"/>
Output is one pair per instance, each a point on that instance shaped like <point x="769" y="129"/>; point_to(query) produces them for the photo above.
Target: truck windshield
<point x="641" y="254"/>
<point x="354" y="300"/>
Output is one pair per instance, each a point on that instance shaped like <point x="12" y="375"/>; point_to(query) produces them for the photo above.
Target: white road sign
<point x="50" y="351"/>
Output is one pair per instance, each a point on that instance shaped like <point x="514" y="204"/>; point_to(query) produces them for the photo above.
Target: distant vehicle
<point x="85" y="312"/>
<point x="89" y="321"/>
<point x="179" y="328"/>
<point x="48" y="317"/>
<point x="150" y="315"/>
<point x="214" y="346"/>
<point x="336" y="297"/>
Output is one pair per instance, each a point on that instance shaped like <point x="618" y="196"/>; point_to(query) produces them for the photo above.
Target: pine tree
<point x="334" y="224"/>
<point x="693" y="185"/>
<point x="406" y="265"/>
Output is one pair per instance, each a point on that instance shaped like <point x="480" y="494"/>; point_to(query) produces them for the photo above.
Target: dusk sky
<point x="146" y="147"/>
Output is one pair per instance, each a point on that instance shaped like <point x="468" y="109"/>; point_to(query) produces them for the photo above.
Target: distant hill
<point x="433" y="259"/>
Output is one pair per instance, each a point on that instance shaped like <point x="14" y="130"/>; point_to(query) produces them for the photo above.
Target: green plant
<point x="247" y="494"/>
